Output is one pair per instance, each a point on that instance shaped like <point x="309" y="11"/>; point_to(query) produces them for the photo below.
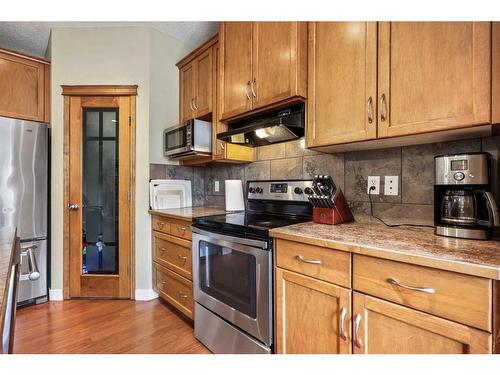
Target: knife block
<point x="340" y="213"/>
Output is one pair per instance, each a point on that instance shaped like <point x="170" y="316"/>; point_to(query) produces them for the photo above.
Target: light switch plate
<point x="373" y="181"/>
<point x="391" y="185"/>
<point x="216" y="186"/>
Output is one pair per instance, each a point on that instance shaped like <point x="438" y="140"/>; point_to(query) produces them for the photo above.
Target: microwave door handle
<point x="493" y="209"/>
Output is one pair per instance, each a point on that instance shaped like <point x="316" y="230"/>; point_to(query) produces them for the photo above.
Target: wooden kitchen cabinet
<point x="24" y="87"/>
<point x="196" y="88"/>
<point x="312" y="316"/>
<point x="381" y="327"/>
<point x="342" y="82"/>
<point x="495" y="79"/>
<point x="261" y="64"/>
<point x="433" y="76"/>
<point x="235" y="68"/>
<point x="186" y="90"/>
<point x="172" y="262"/>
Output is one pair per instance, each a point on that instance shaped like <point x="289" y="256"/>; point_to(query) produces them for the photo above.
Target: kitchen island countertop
<point x="188" y="213"/>
<point x="7" y="250"/>
<point x="406" y="244"/>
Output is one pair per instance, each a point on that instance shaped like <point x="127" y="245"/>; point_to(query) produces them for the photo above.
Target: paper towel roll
<point x="234" y="195"/>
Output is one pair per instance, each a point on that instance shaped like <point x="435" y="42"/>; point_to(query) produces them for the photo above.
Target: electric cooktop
<point x="247" y="223"/>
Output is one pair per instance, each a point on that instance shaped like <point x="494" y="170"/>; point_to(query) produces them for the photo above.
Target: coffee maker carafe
<point x="464" y="206"/>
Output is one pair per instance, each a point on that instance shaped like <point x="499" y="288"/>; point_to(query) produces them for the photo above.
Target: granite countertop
<point x="188" y="213"/>
<point x="406" y="244"/>
<point x="7" y="249"/>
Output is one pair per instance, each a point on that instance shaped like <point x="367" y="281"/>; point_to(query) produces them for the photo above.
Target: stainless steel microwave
<point x="187" y="139"/>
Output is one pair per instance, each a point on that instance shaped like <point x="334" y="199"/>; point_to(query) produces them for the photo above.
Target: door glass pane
<point x="229" y="276"/>
<point x="100" y="192"/>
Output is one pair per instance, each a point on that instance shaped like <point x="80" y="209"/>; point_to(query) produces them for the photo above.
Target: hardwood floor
<point x="103" y="326"/>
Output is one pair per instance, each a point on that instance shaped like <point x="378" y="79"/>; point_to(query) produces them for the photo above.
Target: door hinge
<point x="129" y="120"/>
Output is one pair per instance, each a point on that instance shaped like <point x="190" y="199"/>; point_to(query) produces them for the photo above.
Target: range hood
<point x="279" y="126"/>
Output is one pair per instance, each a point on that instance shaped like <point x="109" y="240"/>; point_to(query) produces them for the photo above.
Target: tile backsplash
<point x="413" y="164"/>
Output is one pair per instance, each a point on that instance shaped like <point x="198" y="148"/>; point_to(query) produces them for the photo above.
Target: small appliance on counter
<point x="164" y="194"/>
<point x="329" y="203"/>
<point x="464" y="206"/>
<point x="234" y="195"/>
<point x="192" y="138"/>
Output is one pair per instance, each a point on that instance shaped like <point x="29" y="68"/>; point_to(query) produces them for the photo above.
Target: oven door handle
<point x="237" y="240"/>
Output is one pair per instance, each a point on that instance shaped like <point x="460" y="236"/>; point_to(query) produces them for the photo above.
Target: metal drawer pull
<point x="161" y="224"/>
<point x="162" y="250"/>
<point x="182" y="295"/>
<point x="357" y="322"/>
<point x="182" y="229"/>
<point x="183" y="258"/>
<point x="343" y="314"/>
<point x="253" y="91"/>
<point x="392" y="281"/>
<point x="310" y="261"/>
<point x="370" y="110"/>
<point x="162" y="284"/>
<point x="29" y="252"/>
<point x="383" y="108"/>
<point x="246" y="90"/>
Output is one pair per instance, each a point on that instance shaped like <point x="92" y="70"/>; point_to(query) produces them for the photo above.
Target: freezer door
<point x="33" y="279"/>
<point x="23" y="177"/>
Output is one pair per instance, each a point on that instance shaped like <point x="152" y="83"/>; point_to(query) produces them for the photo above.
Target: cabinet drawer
<point x="173" y="253"/>
<point x="462" y="298"/>
<point x="321" y="263"/>
<point x="160" y="224"/>
<point x="175" y="289"/>
<point x="180" y="229"/>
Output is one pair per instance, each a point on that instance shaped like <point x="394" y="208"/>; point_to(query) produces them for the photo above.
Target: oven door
<point x="232" y="277"/>
<point x="177" y="140"/>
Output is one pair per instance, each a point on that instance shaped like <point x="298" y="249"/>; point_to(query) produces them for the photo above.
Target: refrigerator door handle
<point x="33" y="272"/>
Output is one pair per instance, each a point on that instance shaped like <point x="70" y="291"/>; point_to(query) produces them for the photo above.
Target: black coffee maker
<point x="464" y="206"/>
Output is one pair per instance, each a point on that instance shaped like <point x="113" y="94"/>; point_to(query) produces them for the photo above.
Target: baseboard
<point x="145" y="294"/>
<point x="56" y="294"/>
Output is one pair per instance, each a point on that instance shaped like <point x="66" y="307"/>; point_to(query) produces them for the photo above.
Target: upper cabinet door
<point x="433" y="76"/>
<point x="279" y="61"/>
<point x="235" y="63"/>
<point x="23" y="87"/>
<point x="204" y="84"/>
<point x="342" y="82"/>
<point x="381" y="327"/>
<point x="187" y="93"/>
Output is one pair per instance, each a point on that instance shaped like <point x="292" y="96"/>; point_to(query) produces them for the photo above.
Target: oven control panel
<point x="293" y="190"/>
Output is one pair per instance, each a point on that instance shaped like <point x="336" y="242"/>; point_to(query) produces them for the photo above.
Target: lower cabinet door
<point x="381" y="327"/>
<point x="312" y="316"/>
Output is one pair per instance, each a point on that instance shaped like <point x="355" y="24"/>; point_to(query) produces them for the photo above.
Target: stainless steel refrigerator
<point x="23" y="200"/>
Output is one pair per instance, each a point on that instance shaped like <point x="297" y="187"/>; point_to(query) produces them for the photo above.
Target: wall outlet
<point x="216" y="186"/>
<point x="373" y="181"/>
<point x="391" y="185"/>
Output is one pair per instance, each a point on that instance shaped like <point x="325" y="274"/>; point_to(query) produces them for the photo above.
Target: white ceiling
<point x="32" y="37"/>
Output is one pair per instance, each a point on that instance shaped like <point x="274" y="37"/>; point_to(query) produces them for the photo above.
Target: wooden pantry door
<point x="99" y="185"/>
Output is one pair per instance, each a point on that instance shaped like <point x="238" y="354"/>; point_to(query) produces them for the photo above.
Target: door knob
<point x="73" y="207"/>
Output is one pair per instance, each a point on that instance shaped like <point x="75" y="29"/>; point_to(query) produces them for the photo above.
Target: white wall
<point x="114" y="56"/>
<point x="164" y="94"/>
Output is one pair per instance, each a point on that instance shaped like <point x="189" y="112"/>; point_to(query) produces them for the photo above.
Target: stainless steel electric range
<point x="233" y="267"/>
